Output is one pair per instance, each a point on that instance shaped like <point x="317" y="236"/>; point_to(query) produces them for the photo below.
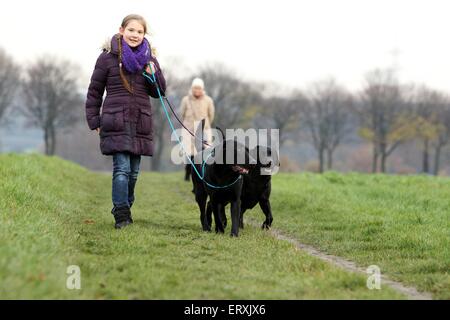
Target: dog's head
<point x="235" y="156"/>
<point x="266" y="159"/>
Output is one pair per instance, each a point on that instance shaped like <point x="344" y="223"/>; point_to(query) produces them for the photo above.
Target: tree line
<point x="385" y="113"/>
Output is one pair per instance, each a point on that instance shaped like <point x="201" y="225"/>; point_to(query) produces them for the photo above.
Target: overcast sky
<point x="289" y="42"/>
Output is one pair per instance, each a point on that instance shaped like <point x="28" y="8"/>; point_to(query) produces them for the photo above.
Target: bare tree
<point x="429" y="106"/>
<point x="443" y="129"/>
<point x="326" y="118"/>
<point x="280" y="113"/>
<point x="231" y="95"/>
<point x="385" y="118"/>
<point x="339" y="124"/>
<point x="9" y="80"/>
<point x="51" y="97"/>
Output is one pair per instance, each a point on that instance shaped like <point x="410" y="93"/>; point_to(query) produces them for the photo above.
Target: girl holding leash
<point x="125" y="121"/>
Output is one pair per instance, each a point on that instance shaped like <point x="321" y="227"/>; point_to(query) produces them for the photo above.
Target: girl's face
<point x="133" y="33"/>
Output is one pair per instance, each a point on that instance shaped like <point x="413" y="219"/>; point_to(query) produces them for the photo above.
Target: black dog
<point x="222" y="182"/>
<point x="256" y="188"/>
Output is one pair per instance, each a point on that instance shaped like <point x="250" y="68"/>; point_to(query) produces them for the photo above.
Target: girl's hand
<point x="98" y="130"/>
<point x="147" y="69"/>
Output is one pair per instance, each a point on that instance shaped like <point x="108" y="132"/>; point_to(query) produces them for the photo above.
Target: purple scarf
<point x="135" y="60"/>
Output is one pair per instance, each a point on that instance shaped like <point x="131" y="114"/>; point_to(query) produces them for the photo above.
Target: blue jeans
<point x="125" y="173"/>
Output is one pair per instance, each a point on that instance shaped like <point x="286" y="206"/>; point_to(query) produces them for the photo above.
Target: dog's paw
<point x="220" y="230"/>
<point x="265" y="226"/>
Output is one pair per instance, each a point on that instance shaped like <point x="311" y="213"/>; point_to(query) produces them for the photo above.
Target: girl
<point x="125" y="123"/>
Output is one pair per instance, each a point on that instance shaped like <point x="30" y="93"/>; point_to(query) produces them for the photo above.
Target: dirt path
<point x="410" y="292"/>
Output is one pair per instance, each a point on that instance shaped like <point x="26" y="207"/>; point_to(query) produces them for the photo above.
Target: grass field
<point x="400" y="223"/>
<point x="54" y="213"/>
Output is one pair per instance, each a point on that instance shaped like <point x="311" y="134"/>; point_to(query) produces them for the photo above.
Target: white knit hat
<point x="197" y="82"/>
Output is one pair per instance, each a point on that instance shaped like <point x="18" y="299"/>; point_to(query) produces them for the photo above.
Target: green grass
<point x="400" y="223"/>
<point x="54" y="213"/>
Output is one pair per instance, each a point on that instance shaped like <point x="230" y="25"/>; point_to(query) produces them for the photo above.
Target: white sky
<point x="289" y="42"/>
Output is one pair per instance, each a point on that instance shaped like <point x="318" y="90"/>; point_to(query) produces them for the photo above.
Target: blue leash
<point x="152" y="79"/>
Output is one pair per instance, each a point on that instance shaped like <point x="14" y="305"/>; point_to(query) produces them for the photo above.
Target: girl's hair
<point x="136" y="17"/>
<point x="124" y="24"/>
<point x="122" y="75"/>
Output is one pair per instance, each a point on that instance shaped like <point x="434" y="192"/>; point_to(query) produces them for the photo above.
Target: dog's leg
<point x="241" y="218"/>
<point x="187" y="172"/>
<point x="223" y="217"/>
<point x="265" y="207"/>
<point x="201" y="197"/>
<point x="217" y="220"/>
<point x="235" y="216"/>
<point x="191" y="173"/>
<point x="209" y="212"/>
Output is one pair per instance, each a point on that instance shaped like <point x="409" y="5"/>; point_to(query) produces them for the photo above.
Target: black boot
<point x="130" y="219"/>
<point x="122" y="215"/>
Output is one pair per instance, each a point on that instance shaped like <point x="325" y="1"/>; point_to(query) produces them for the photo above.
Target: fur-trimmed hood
<point x="111" y="45"/>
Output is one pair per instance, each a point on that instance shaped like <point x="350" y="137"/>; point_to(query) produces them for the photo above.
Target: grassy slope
<point x="54" y="213"/>
<point x="400" y="223"/>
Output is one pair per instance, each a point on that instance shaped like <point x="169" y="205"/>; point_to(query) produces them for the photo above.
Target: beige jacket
<point x="194" y="110"/>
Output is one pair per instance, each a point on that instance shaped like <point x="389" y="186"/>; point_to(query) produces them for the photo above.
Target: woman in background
<point x="195" y="107"/>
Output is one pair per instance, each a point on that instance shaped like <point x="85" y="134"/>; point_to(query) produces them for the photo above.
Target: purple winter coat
<point x="125" y="121"/>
